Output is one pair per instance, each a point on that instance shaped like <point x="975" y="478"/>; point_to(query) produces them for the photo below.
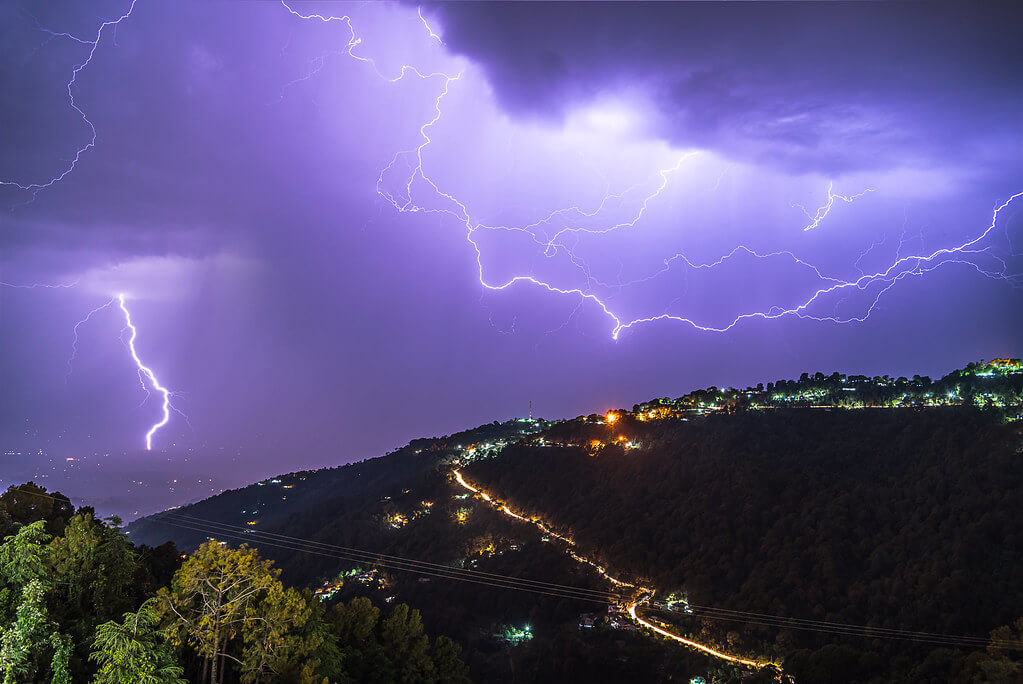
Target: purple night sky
<point x="314" y="295"/>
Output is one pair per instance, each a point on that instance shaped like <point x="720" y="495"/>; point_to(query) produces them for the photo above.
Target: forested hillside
<point x="267" y="502"/>
<point x="893" y="510"/>
<point x="904" y="519"/>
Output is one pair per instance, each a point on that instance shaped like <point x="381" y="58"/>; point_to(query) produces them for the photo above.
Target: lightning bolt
<point x="427" y="25"/>
<point x="823" y="211"/>
<point x="36" y="187"/>
<point x="74" y="341"/>
<point x="403" y="202"/>
<point x="145" y="375"/>
<point x="34" y="286"/>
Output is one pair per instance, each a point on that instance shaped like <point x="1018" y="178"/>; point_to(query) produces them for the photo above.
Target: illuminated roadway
<point x="644" y="592"/>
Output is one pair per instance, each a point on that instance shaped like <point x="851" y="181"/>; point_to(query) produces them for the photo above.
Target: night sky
<point x="324" y="260"/>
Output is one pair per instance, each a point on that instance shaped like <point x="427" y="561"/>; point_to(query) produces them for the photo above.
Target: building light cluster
<point x="396" y="520"/>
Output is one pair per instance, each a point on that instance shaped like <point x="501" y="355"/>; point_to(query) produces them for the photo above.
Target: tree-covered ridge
<point x="998" y="383"/>
<point x="79" y="602"/>
<point x="270" y="501"/>
<point x="897" y="515"/>
<point x="903" y="519"/>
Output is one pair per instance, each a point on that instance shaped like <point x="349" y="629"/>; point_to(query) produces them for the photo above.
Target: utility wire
<point x="496" y="580"/>
<point x="566" y="591"/>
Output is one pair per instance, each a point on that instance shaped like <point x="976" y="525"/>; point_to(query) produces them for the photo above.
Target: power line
<point x="396" y="566"/>
<point x="374" y="556"/>
<point x="859" y="631"/>
<point x="496" y="580"/>
<point x="566" y="591"/>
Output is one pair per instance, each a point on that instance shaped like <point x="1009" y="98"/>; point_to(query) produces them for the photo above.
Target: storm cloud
<point x="829" y="86"/>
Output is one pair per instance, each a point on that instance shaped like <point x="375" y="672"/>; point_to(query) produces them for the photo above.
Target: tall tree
<point x="448" y="667"/>
<point x="93" y="564"/>
<point x="273" y="635"/>
<point x="406" y="643"/>
<point x="25" y="556"/>
<point x="59" y="665"/>
<point x="21" y="642"/>
<point x="210" y="597"/>
<point x="229" y="605"/>
<point x="27" y="503"/>
<point x="135" y="650"/>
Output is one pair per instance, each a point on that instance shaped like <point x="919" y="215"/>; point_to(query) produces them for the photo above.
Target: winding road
<point x="644" y="593"/>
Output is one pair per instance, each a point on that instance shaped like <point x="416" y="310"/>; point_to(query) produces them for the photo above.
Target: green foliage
<point x="402" y="636"/>
<point x="135" y="650"/>
<point x="25" y="556"/>
<point x="28" y="503"/>
<point x="355" y="622"/>
<point x="21" y="644"/>
<point x="448" y="668"/>
<point x="211" y="597"/>
<point x="59" y="664"/>
<point x="226" y="606"/>
<point x="393" y="649"/>
<point x="274" y="634"/>
<point x="93" y="569"/>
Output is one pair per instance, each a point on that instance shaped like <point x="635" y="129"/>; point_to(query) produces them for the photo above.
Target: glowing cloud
<point x="406" y="197"/>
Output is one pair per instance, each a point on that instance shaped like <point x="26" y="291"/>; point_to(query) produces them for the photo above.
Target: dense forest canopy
<point x="79" y="602"/>
<point x="899" y="519"/>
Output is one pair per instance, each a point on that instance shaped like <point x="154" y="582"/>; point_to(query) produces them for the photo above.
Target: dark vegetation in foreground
<point x="79" y="602"/>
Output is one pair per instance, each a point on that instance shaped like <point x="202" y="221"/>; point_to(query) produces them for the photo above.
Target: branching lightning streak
<point x="427" y="25"/>
<point x="34" y="286"/>
<point x="901" y="267"/>
<point x="36" y="187"/>
<point x="146" y="374"/>
<point x="823" y="211"/>
<point x="631" y="223"/>
<point x="74" y="341"/>
<point x="863" y="255"/>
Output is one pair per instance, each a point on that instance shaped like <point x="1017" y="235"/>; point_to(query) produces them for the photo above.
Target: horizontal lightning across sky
<point x="406" y="184"/>
<point x="403" y="199"/>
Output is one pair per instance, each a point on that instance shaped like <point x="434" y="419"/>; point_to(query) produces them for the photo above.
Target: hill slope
<point x="900" y="518"/>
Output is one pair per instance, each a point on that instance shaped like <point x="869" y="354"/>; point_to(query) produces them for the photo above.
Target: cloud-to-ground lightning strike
<point x="403" y="202"/>
<point x="35" y="186"/>
<point x="146" y="375"/>
<point x="147" y="378"/>
<point x="825" y="209"/>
